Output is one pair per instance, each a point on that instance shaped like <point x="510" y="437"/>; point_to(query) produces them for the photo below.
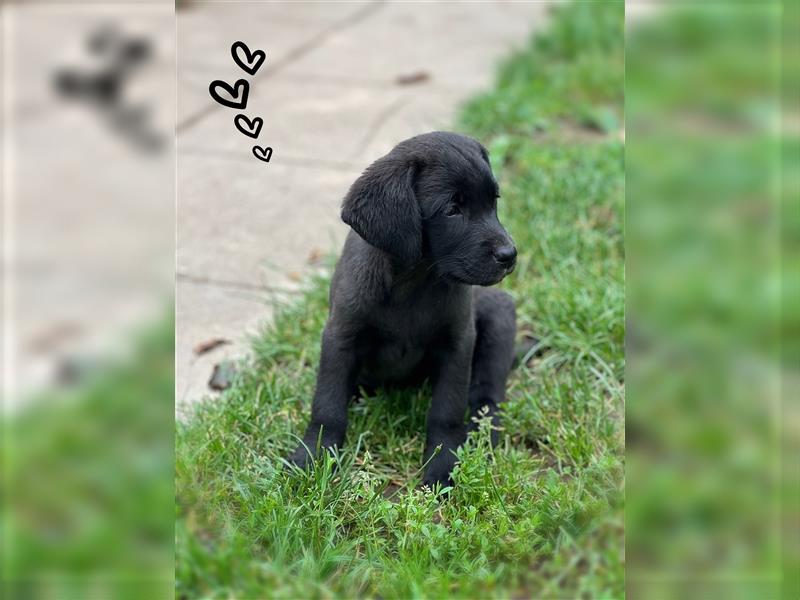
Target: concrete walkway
<point x="332" y="100"/>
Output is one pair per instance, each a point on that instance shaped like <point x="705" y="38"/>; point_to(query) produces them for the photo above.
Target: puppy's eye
<point x="452" y="210"/>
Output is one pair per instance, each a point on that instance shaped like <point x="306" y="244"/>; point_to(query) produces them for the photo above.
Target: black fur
<point x="406" y="301"/>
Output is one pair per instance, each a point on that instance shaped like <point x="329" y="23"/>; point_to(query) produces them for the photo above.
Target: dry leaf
<point x="209" y="345"/>
<point x="315" y="256"/>
<point x="412" y="78"/>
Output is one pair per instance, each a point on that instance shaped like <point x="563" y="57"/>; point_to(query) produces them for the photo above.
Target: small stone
<point x="222" y="377"/>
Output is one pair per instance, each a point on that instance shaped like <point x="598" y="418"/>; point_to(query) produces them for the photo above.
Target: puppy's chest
<point x="405" y="330"/>
<point x="399" y="341"/>
<point x="414" y="321"/>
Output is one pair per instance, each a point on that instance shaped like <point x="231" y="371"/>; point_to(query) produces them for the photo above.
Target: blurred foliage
<point x="541" y="515"/>
<point x="707" y="516"/>
<point x="88" y="484"/>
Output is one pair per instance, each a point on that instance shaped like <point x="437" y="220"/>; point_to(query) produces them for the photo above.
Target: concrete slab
<point x="420" y="110"/>
<point x="284" y="30"/>
<point x="457" y="44"/>
<point x="205" y="312"/>
<point x="255" y="224"/>
<point x="320" y="122"/>
<point x="206" y="31"/>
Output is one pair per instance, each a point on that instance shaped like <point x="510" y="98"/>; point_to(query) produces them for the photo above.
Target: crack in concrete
<point x="295" y="54"/>
<point x="377" y="124"/>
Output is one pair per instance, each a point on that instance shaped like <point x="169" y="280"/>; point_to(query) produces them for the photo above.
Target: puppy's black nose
<point x="506" y="255"/>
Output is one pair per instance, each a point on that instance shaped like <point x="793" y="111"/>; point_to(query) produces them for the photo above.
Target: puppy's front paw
<point x="431" y="479"/>
<point x="439" y="470"/>
<point x="301" y="457"/>
<point x="316" y="441"/>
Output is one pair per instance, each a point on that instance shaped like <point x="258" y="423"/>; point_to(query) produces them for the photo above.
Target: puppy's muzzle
<point x="506" y="256"/>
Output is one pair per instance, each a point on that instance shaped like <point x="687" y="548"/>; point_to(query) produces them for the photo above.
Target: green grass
<point x="540" y="515"/>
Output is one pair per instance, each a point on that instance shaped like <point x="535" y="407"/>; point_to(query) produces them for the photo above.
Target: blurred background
<point x="88" y="105"/>
<point x="88" y="220"/>
<point x="712" y="300"/>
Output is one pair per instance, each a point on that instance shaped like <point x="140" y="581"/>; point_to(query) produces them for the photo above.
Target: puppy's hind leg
<point x="495" y="325"/>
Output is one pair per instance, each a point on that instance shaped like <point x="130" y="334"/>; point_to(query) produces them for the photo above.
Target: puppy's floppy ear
<point x="382" y="208"/>
<point x="484" y="154"/>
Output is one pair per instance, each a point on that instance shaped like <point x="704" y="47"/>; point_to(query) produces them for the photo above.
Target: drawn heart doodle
<point x="252" y="61"/>
<point x="238" y="92"/>
<point x="262" y="153"/>
<point x="248" y="127"/>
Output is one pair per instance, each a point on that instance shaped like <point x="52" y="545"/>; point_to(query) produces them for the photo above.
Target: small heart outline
<point x="233" y="91"/>
<point x="262" y="154"/>
<point x="253" y="61"/>
<point x="253" y="126"/>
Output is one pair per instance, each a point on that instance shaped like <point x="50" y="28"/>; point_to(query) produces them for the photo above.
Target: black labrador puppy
<point x="407" y="300"/>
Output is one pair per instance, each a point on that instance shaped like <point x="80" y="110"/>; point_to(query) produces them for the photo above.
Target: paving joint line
<point x="292" y="161"/>
<point x="227" y="283"/>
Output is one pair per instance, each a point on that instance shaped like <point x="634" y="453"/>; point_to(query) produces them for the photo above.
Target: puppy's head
<point x="434" y="199"/>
